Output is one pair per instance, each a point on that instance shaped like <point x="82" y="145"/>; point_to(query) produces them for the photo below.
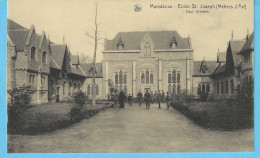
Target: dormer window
<point x="44" y="57"/>
<point x="120" y="44"/>
<point x="33" y="49"/>
<point x="173" y="43"/>
<point x="203" y="70"/>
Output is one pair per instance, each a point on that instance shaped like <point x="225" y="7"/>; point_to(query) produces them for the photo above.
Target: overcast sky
<point x="72" y="18"/>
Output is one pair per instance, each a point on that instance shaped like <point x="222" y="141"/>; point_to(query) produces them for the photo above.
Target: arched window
<point x="97" y="90"/>
<point x="125" y="78"/>
<point x="120" y="88"/>
<point x="226" y="86"/>
<point x="207" y="88"/>
<point x="120" y="77"/>
<point x="64" y="88"/>
<point x="75" y="86"/>
<point x="174" y="76"/>
<point x="222" y="87"/>
<point x="70" y="88"/>
<point x="116" y="78"/>
<point x="151" y="78"/>
<point x="179" y="89"/>
<point x="178" y="77"/>
<point x="203" y="89"/>
<point x="147" y="76"/>
<point x="88" y="90"/>
<point x="232" y="86"/>
<point x="169" y="88"/>
<point x="44" y="57"/>
<point x="199" y="90"/>
<point x="33" y="53"/>
<point x="125" y="89"/>
<point x="142" y="78"/>
<point x="169" y="78"/>
<point x="174" y="89"/>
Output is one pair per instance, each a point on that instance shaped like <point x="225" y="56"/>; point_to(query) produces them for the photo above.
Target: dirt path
<point x="134" y="129"/>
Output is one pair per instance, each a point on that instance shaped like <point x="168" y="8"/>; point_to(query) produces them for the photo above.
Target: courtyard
<point x="134" y="130"/>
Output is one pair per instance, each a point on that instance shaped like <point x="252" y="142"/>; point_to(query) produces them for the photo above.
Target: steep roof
<point x="19" y="38"/>
<point x="209" y="64"/>
<point x="57" y="53"/>
<point x="87" y="69"/>
<point x="11" y="25"/>
<point x="249" y="44"/>
<point x="236" y="46"/>
<point x="161" y="40"/>
<point x="76" y="69"/>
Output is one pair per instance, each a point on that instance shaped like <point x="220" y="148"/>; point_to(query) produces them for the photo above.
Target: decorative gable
<point x="229" y="66"/>
<point x="147" y="45"/>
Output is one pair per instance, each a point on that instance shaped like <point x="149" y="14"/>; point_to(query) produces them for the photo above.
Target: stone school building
<point x="132" y="62"/>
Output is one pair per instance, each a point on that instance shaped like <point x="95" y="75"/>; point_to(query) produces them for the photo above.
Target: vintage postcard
<point x="130" y="76"/>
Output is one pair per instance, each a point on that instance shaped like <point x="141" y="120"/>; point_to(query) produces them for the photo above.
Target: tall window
<point x="232" y="86"/>
<point x="125" y="89"/>
<point x="174" y="89"/>
<point x="70" y="88"/>
<point x="179" y="89"/>
<point x="64" y="88"/>
<point x="222" y="87"/>
<point x="120" y="77"/>
<point x="151" y="78"/>
<point x="97" y="92"/>
<point x="170" y="88"/>
<point x="217" y="87"/>
<point x="207" y="88"/>
<point x="116" y="78"/>
<point x="142" y="78"/>
<point x="178" y="77"/>
<point x="88" y="90"/>
<point x="174" y="76"/>
<point x="226" y="86"/>
<point x="199" y="90"/>
<point x="147" y="76"/>
<point x="125" y="78"/>
<point x="33" y="53"/>
<point x="44" y="57"/>
<point x="75" y="86"/>
<point x="203" y="89"/>
<point x="169" y="78"/>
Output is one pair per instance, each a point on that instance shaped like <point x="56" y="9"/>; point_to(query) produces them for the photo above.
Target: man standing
<point x="147" y="98"/>
<point x="151" y="96"/>
<point x="139" y="96"/>
<point x="167" y="100"/>
<point x="163" y="96"/>
<point x="129" y="99"/>
<point x="159" y="96"/>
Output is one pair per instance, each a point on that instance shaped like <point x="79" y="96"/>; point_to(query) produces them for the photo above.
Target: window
<point x="207" y="88"/>
<point x="203" y="70"/>
<point x="30" y="79"/>
<point x="97" y="92"/>
<point x="116" y="88"/>
<point x="217" y="87"/>
<point x="174" y="76"/>
<point x="232" y="86"/>
<point x="70" y="88"/>
<point x="169" y="88"/>
<point x="44" y="57"/>
<point x="179" y="89"/>
<point x="151" y="78"/>
<point x="142" y="78"/>
<point x="203" y="88"/>
<point x="226" y="86"/>
<point x="120" y="77"/>
<point x="116" y="78"/>
<point x="88" y="90"/>
<point x="199" y="90"/>
<point x="64" y="88"/>
<point x="169" y="78"/>
<point x="33" y="53"/>
<point x="174" y="89"/>
<point x="125" y="89"/>
<point x="147" y="76"/>
<point x="125" y="78"/>
<point x="78" y="86"/>
<point x="147" y="48"/>
<point x="178" y="77"/>
<point x="222" y="87"/>
<point x="247" y="57"/>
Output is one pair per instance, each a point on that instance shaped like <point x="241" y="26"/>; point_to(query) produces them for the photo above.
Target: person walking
<point x="167" y="100"/>
<point x="130" y="99"/>
<point x="122" y="98"/>
<point x="147" y="98"/>
<point x="159" y="96"/>
<point x="140" y="96"/>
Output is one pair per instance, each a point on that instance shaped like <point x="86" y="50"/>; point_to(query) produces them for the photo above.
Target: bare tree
<point x="93" y="69"/>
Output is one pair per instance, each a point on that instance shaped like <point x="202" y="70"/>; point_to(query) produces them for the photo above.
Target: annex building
<point x="132" y="62"/>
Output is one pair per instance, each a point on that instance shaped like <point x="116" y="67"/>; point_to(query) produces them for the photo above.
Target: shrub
<point x="80" y="98"/>
<point x="76" y="114"/>
<point x="20" y="96"/>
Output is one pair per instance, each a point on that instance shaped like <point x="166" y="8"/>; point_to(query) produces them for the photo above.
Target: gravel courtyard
<point x="134" y="130"/>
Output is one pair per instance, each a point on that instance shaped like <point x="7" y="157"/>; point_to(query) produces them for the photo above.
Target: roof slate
<point x="87" y="68"/>
<point x="161" y="40"/>
<point x="11" y="25"/>
<point x="57" y="52"/>
<point x="249" y="43"/>
<point x="19" y="38"/>
<point x="236" y="46"/>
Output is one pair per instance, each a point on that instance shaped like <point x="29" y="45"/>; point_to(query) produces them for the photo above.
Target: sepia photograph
<point x="130" y="76"/>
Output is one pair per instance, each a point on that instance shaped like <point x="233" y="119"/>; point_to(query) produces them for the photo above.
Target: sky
<point x="71" y="19"/>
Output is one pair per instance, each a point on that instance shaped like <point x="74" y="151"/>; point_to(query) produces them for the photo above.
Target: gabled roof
<point x="249" y="44"/>
<point x="161" y="40"/>
<point x="57" y="53"/>
<point x="19" y="38"/>
<point x="11" y="25"/>
<point x="236" y="46"/>
<point x="87" y="69"/>
<point x="76" y="69"/>
<point x="219" y="68"/>
<point x="210" y="65"/>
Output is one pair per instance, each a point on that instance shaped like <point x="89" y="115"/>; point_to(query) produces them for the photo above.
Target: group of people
<point x="149" y="98"/>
